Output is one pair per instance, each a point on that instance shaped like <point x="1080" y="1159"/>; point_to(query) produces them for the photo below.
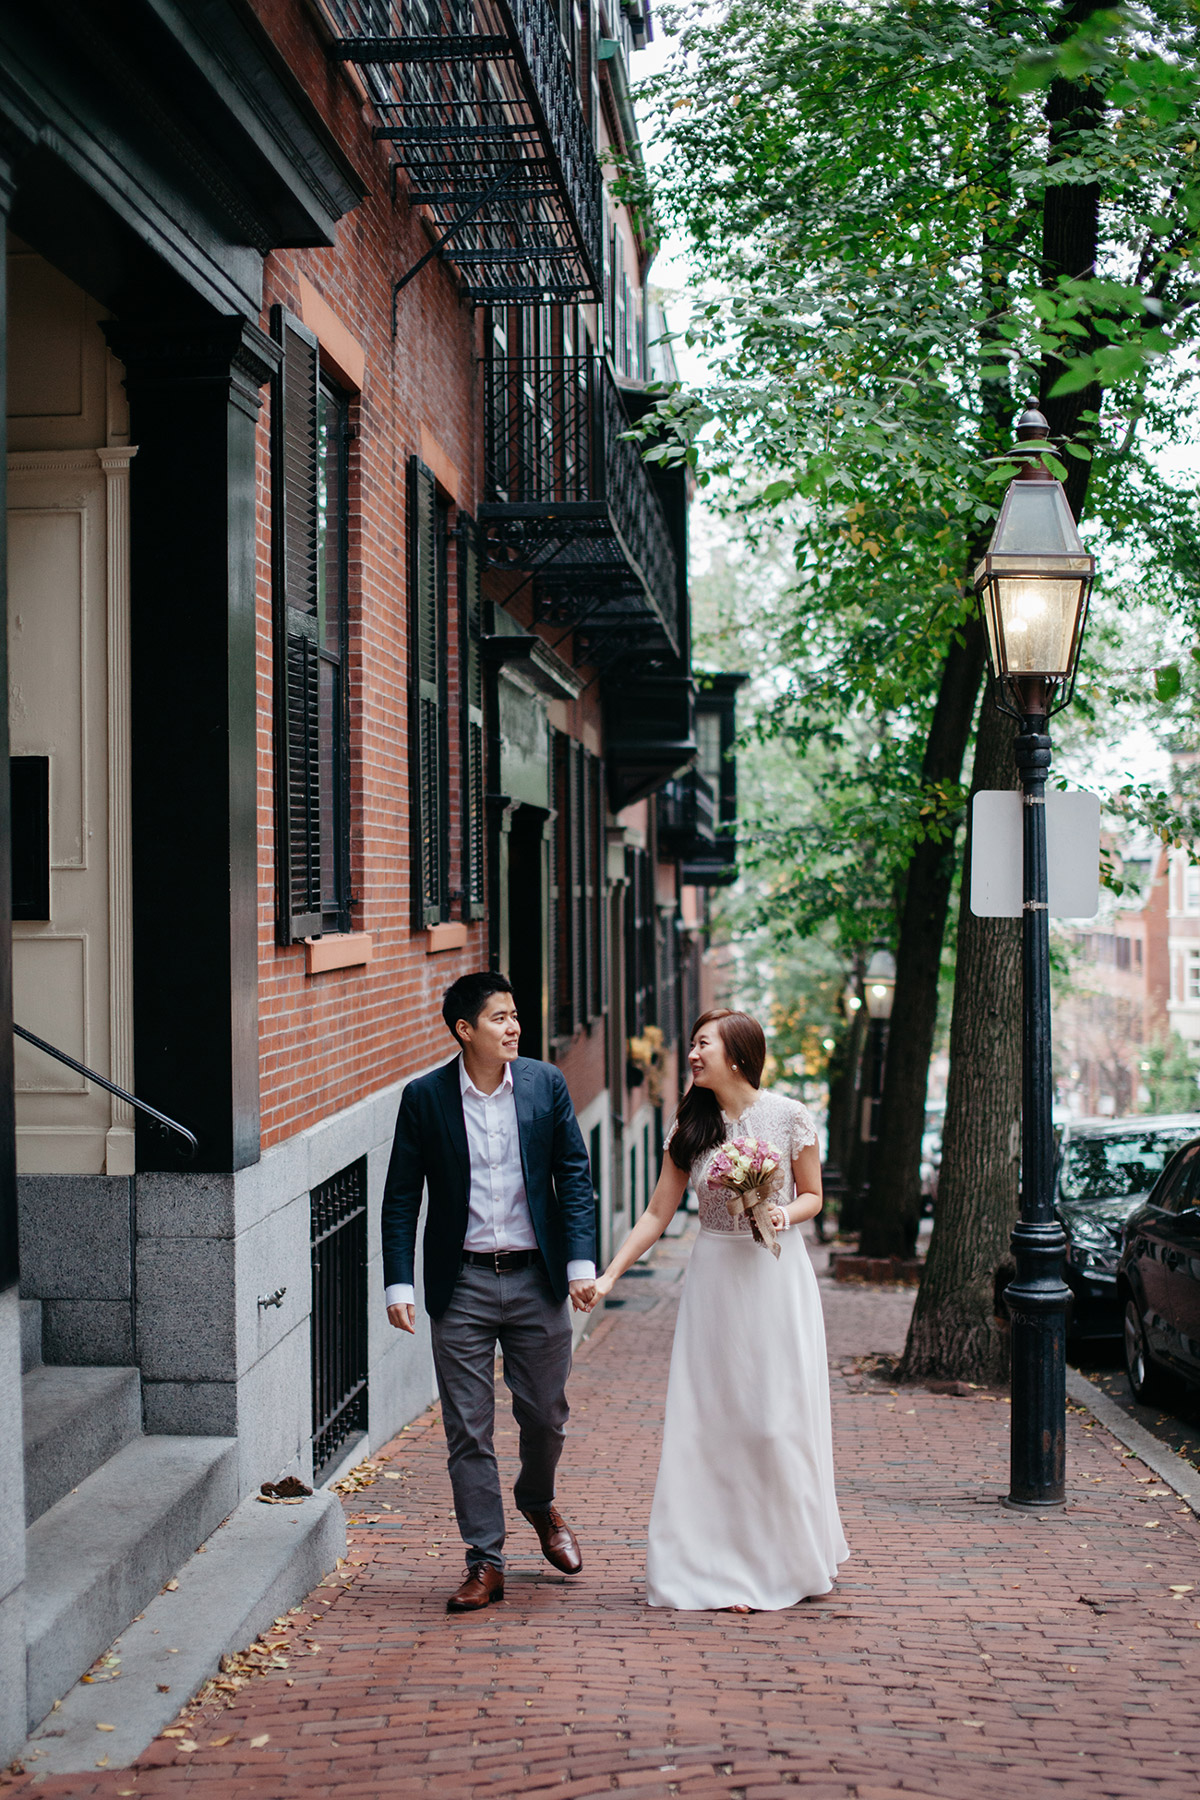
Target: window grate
<point x="339" y="1313"/>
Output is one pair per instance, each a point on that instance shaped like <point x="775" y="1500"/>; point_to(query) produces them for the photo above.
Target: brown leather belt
<point x="502" y="1262"/>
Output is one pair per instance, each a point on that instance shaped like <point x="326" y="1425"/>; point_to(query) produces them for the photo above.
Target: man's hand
<point x="404" y="1318"/>
<point x="590" y="1292"/>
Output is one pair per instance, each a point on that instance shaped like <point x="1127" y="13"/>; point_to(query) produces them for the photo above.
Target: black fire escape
<point x="572" y="506"/>
<point x="479" y="101"/>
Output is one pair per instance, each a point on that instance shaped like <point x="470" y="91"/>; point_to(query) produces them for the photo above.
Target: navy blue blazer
<point x="430" y="1146"/>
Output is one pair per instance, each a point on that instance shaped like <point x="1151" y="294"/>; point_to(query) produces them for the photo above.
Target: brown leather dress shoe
<point x="484" y="1583"/>
<point x="560" y="1547"/>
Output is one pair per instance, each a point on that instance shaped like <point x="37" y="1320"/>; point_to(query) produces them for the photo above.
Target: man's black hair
<point x="467" y="997"/>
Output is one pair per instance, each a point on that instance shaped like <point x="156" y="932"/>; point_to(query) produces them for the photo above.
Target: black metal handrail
<point x="572" y="493"/>
<point x="109" y="1086"/>
<point x="479" y="95"/>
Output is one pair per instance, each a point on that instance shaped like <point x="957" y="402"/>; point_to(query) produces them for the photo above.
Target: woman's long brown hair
<point x="698" y="1123"/>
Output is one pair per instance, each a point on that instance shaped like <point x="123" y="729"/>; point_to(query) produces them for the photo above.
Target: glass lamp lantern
<point x="1033" y="585"/>
<point x="880" y="984"/>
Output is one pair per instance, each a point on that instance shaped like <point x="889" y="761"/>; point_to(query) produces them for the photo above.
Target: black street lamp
<point x="1033" y="586"/>
<point x="879" y="984"/>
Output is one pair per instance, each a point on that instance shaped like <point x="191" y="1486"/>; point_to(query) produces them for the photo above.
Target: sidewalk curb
<point x="1178" y="1474"/>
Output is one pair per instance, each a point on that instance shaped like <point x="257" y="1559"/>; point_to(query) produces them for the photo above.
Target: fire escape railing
<point x="480" y="101"/>
<point x="569" y="498"/>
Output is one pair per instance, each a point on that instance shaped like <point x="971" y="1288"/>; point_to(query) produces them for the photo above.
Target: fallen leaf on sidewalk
<point x="170" y="1587"/>
<point x="188" y="1745"/>
<point x="106" y="1728"/>
<point x="1183" y="1588"/>
<point x="258" y="1742"/>
<point x="220" y="1743"/>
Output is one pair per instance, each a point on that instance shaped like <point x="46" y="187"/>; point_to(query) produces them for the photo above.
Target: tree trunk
<point x="1070" y="236"/>
<point x="892" y="1204"/>
<point x="954" y="1330"/>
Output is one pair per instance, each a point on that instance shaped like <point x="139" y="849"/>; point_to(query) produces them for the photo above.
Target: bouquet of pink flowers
<point x="752" y="1171"/>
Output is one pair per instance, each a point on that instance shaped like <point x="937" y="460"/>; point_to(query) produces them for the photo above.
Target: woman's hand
<point x="781" y="1218"/>
<point x="600" y="1290"/>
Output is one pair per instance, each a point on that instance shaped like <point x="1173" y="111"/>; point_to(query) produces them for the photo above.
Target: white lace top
<point x="785" y="1123"/>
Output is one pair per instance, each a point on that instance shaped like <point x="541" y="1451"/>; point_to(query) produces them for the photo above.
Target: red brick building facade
<point x="350" y="651"/>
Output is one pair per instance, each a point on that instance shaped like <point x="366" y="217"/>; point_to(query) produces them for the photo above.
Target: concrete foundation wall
<point x="76" y="1234"/>
<point x="12" y="1534"/>
<point x="210" y="1247"/>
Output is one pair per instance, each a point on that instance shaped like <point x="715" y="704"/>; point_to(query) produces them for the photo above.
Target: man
<point x="509" y="1232"/>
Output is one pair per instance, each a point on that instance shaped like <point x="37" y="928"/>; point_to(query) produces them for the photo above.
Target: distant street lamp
<point x="1033" y="586"/>
<point x="879" y="984"/>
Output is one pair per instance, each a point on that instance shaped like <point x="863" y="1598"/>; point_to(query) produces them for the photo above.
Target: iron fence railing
<point x="571" y="496"/>
<point x="339" y="1313"/>
<point x="481" y="102"/>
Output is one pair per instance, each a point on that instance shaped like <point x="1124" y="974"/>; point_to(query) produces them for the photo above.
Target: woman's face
<point x="707" y="1058"/>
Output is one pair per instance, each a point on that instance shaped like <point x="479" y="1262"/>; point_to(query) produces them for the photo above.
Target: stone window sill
<point x="445" y="937"/>
<point x="342" y="950"/>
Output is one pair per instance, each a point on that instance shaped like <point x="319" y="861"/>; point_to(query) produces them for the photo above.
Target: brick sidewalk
<point x="967" y="1651"/>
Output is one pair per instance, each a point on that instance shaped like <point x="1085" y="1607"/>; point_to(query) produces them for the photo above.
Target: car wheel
<point x="1147" y="1381"/>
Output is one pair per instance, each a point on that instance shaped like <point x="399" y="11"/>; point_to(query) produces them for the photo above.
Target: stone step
<point x="31" y="1334"/>
<point x="75" y="1419"/>
<point x="106" y="1548"/>
<point x="263" y="1560"/>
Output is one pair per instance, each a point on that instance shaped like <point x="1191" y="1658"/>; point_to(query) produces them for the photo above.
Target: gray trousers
<point x="533" y="1330"/>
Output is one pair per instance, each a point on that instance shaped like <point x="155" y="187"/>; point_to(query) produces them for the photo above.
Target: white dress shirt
<point x="497" y="1210"/>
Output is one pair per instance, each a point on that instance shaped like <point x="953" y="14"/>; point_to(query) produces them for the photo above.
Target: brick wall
<point x="326" y="1040"/>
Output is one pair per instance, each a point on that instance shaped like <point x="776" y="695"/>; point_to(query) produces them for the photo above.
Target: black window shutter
<point x="578" y="827"/>
<point x="471" y="716"/>
<point x="587" y="832"/>
<point x="561" y="878"/>
<point x="297" y="665"/>
<point x="430" y="834"/>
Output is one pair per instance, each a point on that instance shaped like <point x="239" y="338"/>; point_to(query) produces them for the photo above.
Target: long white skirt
<point x="745" y="1511"/>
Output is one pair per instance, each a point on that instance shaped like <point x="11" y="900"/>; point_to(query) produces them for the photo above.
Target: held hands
<point x="781" y="1218"/>
<point x="585" y="1295"/>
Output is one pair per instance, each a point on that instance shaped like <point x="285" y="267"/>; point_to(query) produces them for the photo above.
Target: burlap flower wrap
<point x="752" y="1170"/>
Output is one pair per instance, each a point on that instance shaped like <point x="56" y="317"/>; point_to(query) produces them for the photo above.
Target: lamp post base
<point x="1032" y="1505"/>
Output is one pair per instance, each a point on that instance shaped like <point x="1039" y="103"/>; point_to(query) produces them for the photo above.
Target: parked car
<point x="1106" y="1168"/>
<point x="1158" y="1280"/>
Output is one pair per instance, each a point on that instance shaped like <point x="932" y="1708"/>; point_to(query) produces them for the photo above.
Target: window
<point x="1123" y="952"/>
<point x="1191" y="976"/>
<point x="338" y="1321"/>
<point x="574" y="886"/>
<point x="309" y="479"/>
<point x="474" y="894"/>
<point x="595" y="1160"/>
<point x="595" y="885"/>
<point x="668" y="973"/>
<point x="1191" y="887"/>
<point x="577" y="887"/>
<point x="429" y="761"/>
<point x="640" y="944"/>
<point x="1171" y="1192"/>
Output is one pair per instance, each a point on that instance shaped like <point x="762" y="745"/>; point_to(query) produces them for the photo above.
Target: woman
<point x="745" y="1516"/>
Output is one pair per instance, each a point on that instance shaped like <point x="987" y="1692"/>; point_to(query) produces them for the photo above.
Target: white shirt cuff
<point x="400" y="1293"/>
<point x="581" y="1271"/>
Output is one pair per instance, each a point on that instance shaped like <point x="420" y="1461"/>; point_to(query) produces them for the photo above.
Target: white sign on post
<point x="1072" y="854"/>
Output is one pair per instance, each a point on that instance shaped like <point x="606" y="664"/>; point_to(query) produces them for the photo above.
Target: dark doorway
<point x="528" y="951"/>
